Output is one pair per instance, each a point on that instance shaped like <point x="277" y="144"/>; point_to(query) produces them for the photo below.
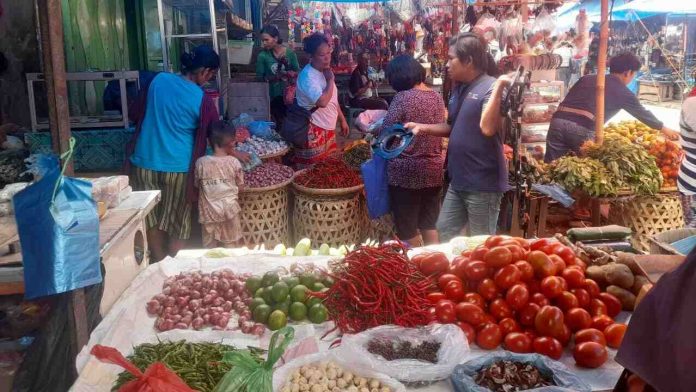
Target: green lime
<point x="291" y="281"/>
<point x="307" y="279"/>
<point x="267" y="295"/>
<point x="256" y="302"/>
<point x="283" y="306"/>
<point x="277" y="320"/>
<point x="299" y="293"/>
<point x="313" y="301"/>
<point x="318" y="314"/>
<point x="259" y="292"/>
<point x="280" y="292"/>
<point x="298" y="311"/>
<point x="269" y="279"/>
<point x="318" y="286"/>
<point x="252" y="284"/>
<point x="328" y="281"/>
<point x="261" y="313"/>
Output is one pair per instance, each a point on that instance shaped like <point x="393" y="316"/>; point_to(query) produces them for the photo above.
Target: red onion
<point x="218" y="301"/>
<point x="227" y="306"/>
<point x="194" y="304"/>
<point x="197" y="323"/>
<point x="182" y="301"/>
<point x="207" y="299"/>
<point x="222" y="323"/>
<point x="195" y="294"/>
<point x="181" y="326"/>
<point x="170" y="301"/>
<point x="152" y="307"/>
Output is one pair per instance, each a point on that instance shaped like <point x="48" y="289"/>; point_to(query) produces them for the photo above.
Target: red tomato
<point x="601" y="322"/>
<point x="444" y="310"/>
<point x="459" y="267"/>
<point x="466" y="253"/>
<point x="469" y="313"/>
<point x="487" y="289"/>
<point x="578" y="319"/>
<point x="533" y="285"/>
<point x="583" y="297"/>
<point x="598" y="308"/>
<point x="517" y="251"/>
<point x="493" y="241"/>
<point x="564" y="284"/>
<point x="455" y="290"/>
<point x="527" y="315"/>
<point x="581" y="264"/>
<point x="476" y="299"/>
<point x="507" y="276"/>
<point x="508" y="325"/>
<point x="517" y="297"/>
<point x="590" y="335"/>
<point x="549" y="321"/>
<point x="432" y="315"/>
<point x="542" y="264"/>
<point x="526" y="270"/>
<point x="489" y="337"/>
<point x="531" y="333"/>
<point x="551" y="287"/>
<point x="468" y="330"/>
<point x="612" y="303"/>
<point x="540" y="299"/>
<point x="434" y="264"/>
<point x="498" y="257"/>
<point x="574" y="276"/>
<point x="444" y="279"/>
<point x="592" y="288"/>
<point x="566" y="254"/>
<point x="434" y="298"/>
<point x="538" y="244"/>
<point x="489" y="319"/>
<point x="550" y="347"/>
<point x="518" y="342"/>
<point x="417" y="259"/>
<point x="475" y="270"/>
<point x="500" y="309"/>
<point x="567" y="301"/>
<point x="590" y="355"/>
<point x="563" y="336"/>
<point x="479" y="253"/>
<point x="521" y="241"/>
<point x="614" y="334"/>
<point x="558" y="262"/>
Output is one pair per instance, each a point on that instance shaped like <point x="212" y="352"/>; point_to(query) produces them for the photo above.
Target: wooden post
<point x="53" y="51"/>
<point x="601" y="71"/>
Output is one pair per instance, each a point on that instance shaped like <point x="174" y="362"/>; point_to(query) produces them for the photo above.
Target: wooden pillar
<point x="601" y="71"/>
<point x="53" y="52"/>
<point x="51" y="27"/>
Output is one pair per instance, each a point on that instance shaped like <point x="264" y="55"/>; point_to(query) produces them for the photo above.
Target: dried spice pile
<point x="510" y="376"/>
<point x="329" y="174"/>
<point x="393" y="350"/>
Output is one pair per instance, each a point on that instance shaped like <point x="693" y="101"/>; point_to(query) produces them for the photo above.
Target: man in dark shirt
<point x="573" y="123"/>
<point x="476" y="163"/>
<point x="361" y="87"/>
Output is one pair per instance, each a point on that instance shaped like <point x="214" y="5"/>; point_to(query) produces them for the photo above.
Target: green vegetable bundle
<point x="199" y="365"/>
<point x="583" y="174"/>
<point x="631" y="165"/>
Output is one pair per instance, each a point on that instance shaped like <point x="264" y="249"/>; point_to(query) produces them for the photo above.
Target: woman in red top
<point x="415" y="176"/>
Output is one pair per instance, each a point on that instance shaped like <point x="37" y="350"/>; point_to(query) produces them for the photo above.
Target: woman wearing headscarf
<point x="172" y="117"/>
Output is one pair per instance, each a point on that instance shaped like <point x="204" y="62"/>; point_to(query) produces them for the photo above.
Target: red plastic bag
<point x="157" y="378"/>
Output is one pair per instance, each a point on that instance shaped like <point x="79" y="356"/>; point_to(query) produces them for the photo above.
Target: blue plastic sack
<point x="58" y="230"/>
<point x="374" y="173"/>
<point x="263" y="129"/>
<point x="566" y="381"/>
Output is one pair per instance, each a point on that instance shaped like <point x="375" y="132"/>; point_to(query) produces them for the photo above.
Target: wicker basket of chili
<point x="327" y="205"/>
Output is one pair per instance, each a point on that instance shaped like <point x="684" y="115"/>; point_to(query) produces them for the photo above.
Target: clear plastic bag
<point x="454" y="349"/>
<point x="566" y="381"/>
<point x="337" y="356"/>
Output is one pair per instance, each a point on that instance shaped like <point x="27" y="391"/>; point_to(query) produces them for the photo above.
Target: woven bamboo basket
<point x="328" y="219"/>
<point x="647" y="216"/>
<point x="277" y="157"/>
<point x="264" y="216"/>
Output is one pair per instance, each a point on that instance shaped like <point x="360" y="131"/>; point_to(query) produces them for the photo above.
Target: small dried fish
<point x="511" y="376"/>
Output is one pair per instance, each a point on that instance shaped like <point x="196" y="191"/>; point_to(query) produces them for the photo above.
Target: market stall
<point x="133" y="319"/>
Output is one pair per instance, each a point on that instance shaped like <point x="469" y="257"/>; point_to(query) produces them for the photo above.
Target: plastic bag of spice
<point x="463" y="377"/>
<point x="410" y="355"/>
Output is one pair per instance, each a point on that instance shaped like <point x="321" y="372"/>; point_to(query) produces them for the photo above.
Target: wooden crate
<point x="248" y="97"/>
<point x="655" y="91"/>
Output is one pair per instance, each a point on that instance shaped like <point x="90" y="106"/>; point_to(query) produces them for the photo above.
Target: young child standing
<point x="219" y="178"/>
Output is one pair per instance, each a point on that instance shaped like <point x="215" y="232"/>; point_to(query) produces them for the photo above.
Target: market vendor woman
<point x="172" y="116"/>
<point x="573" y="123"/>
<point x="277" y="65"/>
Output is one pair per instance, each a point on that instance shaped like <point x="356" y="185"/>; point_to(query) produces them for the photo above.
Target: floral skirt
<point x="321" y="144"/>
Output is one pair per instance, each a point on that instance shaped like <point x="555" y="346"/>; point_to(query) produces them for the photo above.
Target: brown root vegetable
<point x="597" y="274"/>
<point x="628" y="260"/>
<point x="638" y="283"/>
<point x="627" y="299"/>
<point x="643" y="292"/>
<point x="619" y="275"/>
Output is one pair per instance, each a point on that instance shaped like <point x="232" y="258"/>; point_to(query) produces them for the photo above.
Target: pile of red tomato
<point x="528" y="296"/>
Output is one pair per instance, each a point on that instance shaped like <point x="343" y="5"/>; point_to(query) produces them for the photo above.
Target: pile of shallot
<point x="198" y="300"/>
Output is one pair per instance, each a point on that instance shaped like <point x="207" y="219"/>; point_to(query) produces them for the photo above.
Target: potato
<point x="628" y="260"/>
<point x="638" y="283"/>
<point x="619" y="275"/>
<point x="627" y="299"/>
<point x="597" y="274"/>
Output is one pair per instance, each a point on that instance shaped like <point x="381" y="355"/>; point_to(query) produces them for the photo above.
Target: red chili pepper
<point x="329" y="174"/>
